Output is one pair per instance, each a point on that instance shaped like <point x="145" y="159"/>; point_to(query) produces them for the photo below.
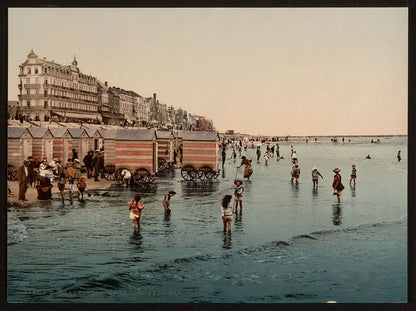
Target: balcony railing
<point x="32" y="86"/>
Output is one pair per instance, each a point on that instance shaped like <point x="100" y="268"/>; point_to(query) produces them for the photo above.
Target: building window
<point x="45" y="104"/>
<point x="36" y="80"/>
<point x="29" y="71"/>
<point x="37" y="91"/>
<point x="28" y="104"/>
<point x="45" y="70"/>
<point x="36" y="71"/>
<point x="28" y="81"/>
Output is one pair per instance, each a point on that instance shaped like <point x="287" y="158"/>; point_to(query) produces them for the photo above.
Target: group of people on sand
<point x="41" y="175"/>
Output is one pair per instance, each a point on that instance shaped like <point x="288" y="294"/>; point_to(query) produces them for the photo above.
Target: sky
<point x="273" y="71"/>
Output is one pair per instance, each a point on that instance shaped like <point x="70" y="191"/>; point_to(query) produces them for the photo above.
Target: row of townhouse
<point x="48" y="90"/>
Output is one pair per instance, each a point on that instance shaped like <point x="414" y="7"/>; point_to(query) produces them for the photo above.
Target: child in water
<point x="136" y="207"/>
<point x="166" y="201"/>
<point x="238" y="192"/>
<point x="61" y="185"/>
<point x="227" y="212"/>
<point x="315" y="175"/>
<point x="353" y="174"/>
<point x="337" y="185"/>
<point x="266" y="157"/>
<point x="295" y="173"/>
<point x="81" y="185"/>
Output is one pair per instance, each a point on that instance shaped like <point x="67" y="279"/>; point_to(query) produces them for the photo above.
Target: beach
<point x="291" y="244"/>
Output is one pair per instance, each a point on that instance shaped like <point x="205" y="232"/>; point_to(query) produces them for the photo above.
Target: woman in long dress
<point x="248" y="170"/>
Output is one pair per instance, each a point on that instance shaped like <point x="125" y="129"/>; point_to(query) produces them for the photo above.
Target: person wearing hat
<point x="315" y="175"/>
<point x="248" y="170"/>
<point x="23" y="179"/>
<point x="81" y="185"/>
<point x="337" y="185"/>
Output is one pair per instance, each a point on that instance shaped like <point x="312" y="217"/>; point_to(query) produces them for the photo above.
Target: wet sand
<point x="32" y="194"/>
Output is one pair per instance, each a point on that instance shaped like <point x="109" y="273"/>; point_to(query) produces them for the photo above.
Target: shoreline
<point x="32" y="193"/>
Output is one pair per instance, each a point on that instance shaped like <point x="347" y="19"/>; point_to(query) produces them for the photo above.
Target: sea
<point x="291" y="243"/>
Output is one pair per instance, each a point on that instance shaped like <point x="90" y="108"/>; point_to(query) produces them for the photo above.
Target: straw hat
<point x="83" y="178"/>
<point x="76" y="160"/>
<point x="337" y="170"/>
<point x="315" y="168"/>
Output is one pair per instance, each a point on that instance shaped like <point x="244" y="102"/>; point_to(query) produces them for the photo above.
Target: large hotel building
<point x="48" y="89"/>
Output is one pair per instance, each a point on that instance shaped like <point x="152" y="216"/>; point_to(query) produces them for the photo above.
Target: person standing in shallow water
<point x="337" y="185"/>
<point x="399" y="158"/>
<point x="238" y="192"/>
<point x="136" y="207"/>
<point x="248" y="170"/>
<point x="258" y="152"/>
<point x="223" y="156"/>
<point x="295" y="173"/>
<point x="166" y="201"/>
<point x="227" y="212"/>
<point x="353" y="174"/>
<point x="315" y="175"/>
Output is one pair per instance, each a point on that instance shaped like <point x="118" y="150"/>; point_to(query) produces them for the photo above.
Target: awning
<point x="76" y="115"/>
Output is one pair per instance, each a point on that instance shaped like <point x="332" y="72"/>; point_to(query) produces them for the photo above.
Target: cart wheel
<point x="216" y="174"/>
<point x="141" y="175"/>
<point x="11" y="172"/>
<point x="205" y="173"/>
<point x="109" y="172"/>
<point x="148" y="179"/>
<point x="188" y="172"/>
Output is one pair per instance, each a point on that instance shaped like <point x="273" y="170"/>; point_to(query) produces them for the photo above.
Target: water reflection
<point x="295" y="190"/>
<point x="136" y="240"/>
<point x="353" y="190"/>
<point x="199" y="187"/>
<point x="337" y="214"/>
<point x="145" y="188"/>
<point x="226" y="240"/>
<point x="167" y="219"/>
<point x="314" y="192"/>
<point x="238" y="221"/>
